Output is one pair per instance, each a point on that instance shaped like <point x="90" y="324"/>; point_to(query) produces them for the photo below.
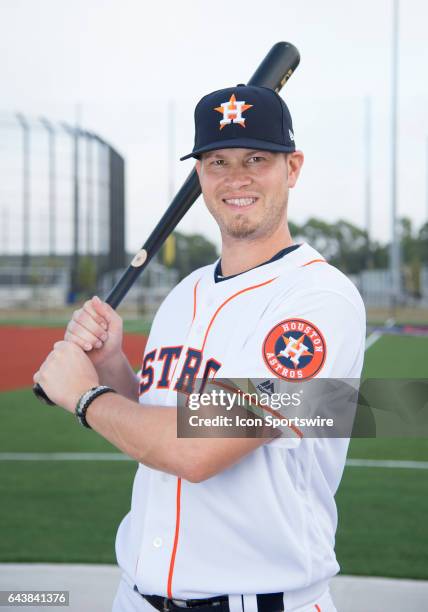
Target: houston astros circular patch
<point x="294" y="350"/>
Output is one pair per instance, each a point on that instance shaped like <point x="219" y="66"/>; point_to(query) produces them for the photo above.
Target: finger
<point x="102" y="308"/>
<point x="91" y="332"/>
<point x="96" y="315"/>
<point x="86" y="320"/>
<point x="86" y="342"/>
<point x="79" y="335"/>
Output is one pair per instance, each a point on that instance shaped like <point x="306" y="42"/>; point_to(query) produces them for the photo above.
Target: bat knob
<point x="41" y="395"/>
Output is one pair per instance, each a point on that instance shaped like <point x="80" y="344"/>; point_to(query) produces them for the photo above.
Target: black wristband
<point x="86" y="400"/>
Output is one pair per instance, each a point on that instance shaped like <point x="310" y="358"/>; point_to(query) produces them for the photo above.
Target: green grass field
<point x="130" y="326"/>
<point x="68" y="511"/>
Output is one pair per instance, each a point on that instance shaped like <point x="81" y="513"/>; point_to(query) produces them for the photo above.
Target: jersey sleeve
<point x="312" y="335"/>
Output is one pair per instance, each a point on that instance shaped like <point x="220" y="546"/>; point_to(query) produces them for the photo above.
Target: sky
<point x="129" y="69"/>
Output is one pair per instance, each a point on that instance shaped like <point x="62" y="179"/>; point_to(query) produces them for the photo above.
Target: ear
<point x="198" y="167"/>
<point x="294" y="165"/>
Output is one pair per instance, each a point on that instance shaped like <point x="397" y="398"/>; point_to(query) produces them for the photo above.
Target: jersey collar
<point x="269" y="270"/>
<point x="218" y="277"/>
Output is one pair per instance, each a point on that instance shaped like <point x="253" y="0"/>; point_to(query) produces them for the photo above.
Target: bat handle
<point x="41" y="395"/>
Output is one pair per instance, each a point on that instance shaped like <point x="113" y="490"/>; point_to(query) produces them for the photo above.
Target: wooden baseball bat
<point x="273" y="72"/>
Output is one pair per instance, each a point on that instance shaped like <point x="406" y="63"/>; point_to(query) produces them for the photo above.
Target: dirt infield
<point x="22" y="350"/>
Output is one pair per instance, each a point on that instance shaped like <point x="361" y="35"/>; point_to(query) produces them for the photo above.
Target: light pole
<point x="368" y="178"/>
<point x="426" y="180"/>
<point x="395" y="255"/>
<point x="26" y="189"/>
<point x="75" y="133"/>
<point x="52" y="185"/>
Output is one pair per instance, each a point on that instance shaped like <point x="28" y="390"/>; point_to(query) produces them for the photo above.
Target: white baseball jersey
<point x="267" y="524"/>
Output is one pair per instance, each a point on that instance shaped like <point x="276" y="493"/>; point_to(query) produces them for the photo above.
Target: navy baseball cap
<point x="244" y="116"/>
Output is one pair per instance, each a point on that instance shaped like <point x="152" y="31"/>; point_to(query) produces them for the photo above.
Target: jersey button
<point x="157" y="542"/>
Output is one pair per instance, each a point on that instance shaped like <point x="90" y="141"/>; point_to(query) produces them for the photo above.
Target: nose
<point x="237" y="178"/>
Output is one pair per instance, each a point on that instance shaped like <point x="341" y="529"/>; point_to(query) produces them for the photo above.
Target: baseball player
<point x="217" y="524"/>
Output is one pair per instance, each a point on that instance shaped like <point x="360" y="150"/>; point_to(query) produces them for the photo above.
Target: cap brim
<point x="241" y="143"/>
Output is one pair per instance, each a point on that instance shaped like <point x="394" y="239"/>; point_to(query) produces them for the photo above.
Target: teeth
<point x="240" y="201"/>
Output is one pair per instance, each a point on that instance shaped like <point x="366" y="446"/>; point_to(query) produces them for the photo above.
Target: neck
<point x="239" y="255"/>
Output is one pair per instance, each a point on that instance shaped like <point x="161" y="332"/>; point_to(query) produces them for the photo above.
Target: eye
<point x="256" y="159"/>
<point x="217" y="162"/>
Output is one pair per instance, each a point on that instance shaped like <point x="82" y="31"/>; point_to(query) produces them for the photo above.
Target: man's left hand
<point x="66" y="374"/>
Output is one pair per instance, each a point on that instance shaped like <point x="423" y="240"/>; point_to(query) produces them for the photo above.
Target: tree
<point x="86" y="274"/>
<point x="411" y="256"/>
<point x="192" y="251"/>
<point x="341" y="243"/>
<point x="379" y="255"/>
<point x="352" y="255"/>
<point x="423" y="244"/>
<point x="321" y="236"/>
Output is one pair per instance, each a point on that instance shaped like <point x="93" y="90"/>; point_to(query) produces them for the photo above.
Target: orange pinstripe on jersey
<point x="177" y="530"/>
<point x="177" y="518"/>
<point x="195" y="289"/>
<point x="313" y="261"/>
<point x="229" y="299"/>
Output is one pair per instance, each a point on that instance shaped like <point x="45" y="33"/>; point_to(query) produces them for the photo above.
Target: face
<point x="246" y="190"/>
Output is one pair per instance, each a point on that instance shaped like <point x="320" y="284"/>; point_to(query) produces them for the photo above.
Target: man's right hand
<point x="97" y="329"/>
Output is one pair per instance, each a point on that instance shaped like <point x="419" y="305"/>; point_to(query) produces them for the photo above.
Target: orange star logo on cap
<point x="232" y="111"/>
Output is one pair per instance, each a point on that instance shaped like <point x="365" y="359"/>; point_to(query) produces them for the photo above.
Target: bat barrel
<point x="189" y="192"/>
<point x="277" y="67"/>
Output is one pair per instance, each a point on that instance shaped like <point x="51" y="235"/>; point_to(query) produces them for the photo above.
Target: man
<point x="225" y="523"/>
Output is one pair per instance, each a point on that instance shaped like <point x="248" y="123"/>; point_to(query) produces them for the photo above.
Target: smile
<point x="240" y="202"/>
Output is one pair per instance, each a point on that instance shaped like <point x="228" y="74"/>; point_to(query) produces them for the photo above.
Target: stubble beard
<point x="240" y="227"/>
